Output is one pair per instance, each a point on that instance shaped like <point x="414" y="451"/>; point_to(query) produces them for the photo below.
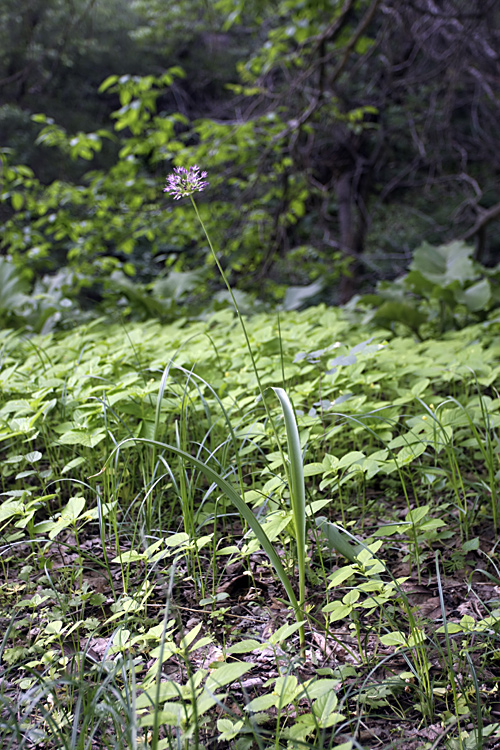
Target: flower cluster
<point x="184" y="182"/>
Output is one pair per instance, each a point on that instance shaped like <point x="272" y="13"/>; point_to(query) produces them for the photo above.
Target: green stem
<point x="233" y="298"/>
<point x="294" y="473"/>
<point x="243" y="327"/>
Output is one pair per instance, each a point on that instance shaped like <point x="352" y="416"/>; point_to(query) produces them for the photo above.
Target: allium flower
<point x="184" y="182"/>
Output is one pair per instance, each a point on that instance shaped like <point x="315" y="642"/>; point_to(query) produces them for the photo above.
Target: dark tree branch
<point x="453" y="13"/>
<point x="19" y="75"/>
<point x="295" y="124"/>
<point x="485" y="217"/>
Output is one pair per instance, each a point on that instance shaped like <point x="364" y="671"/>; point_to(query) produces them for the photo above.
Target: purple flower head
<point x="184" y="182"/>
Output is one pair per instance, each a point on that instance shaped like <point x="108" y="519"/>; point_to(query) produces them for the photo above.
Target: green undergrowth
<point x="141" y="608"/>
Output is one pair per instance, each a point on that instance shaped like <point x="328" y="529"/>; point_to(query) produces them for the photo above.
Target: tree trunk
<point x="352" y="233"/>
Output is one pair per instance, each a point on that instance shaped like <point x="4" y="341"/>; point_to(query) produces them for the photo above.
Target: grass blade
<point x="297" y="493"/>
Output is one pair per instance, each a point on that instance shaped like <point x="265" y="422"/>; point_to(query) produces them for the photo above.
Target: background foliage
<point x="338" y="136"/>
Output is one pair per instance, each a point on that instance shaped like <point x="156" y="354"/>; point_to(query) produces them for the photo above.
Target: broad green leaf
<point x="120" y="639"/>
<point x="33" y="457"/>
<point x="351" y="458"/>
<point x="171" y="714"/>
<point x="324" y="710"/>
<point x="286" y="688"/>
<point x="189" y="637"/>
<point x="244" y="647"/>
<point x="410" y="452"/>
<point x="88" y="439"/>
<point x="73" y="464"/>
<point x="284" y="632"/>
<point x="175" y="540"/>
<point x="164" y="652"/>
<point x="390" y="529"/>
<point x="351" y="597"/>
<point x="444" y="264"/>
<point x="54" y="627"/>
<point x="129" y="556"/>
<point x="73" y="509"/>
<point x="337" y="539"/>
<point x="275" y="523"/>
<point x="337" y="611"/>
<point x="399" y="312"/>
<point x="68" y="516"/>
<point x="416" y="637"/>
<point x="467" y="623"/>
<point x="10" y="508"/>
<point x="17" y="201"/>
<point x="475" y="297"/>
<point x="471" y="544"/>
<point x="262" y="703"/>
<point x="228" y="729"/>
<point x="170" y="690"/>
<point x="341" y="575"/>
<point x="316" y="688"/>
<point x="450" y="627"/>
<point x="417" y="514"/>
<point x="431" y="525"/>
<point x="311" y="470"/>
<point x="109" y="81"/>
<point x="204" y="703"/>
<point x="393" y="639"/>
<point x="316" y="505"/>
<point x="420" y="386"/>
<point x="205" y="641"/>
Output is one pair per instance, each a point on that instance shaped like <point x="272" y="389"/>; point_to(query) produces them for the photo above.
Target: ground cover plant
<point x="139" y="609"/>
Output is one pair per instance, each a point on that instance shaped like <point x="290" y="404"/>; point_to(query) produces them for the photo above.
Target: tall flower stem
<point x="245" y="333"/>
<point x="240" y="317"/>
<point x="294" y="477"/>
<point x="182" y="183"/>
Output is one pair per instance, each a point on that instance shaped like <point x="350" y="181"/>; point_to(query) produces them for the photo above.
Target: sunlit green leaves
<point x="68" y="517"/>
<point x="83" y="437"/>
<point x="400" y="640"/>
<point x="182" y="704"/>
<point x="113" y="384"/>
<point x="287" y="689"/>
